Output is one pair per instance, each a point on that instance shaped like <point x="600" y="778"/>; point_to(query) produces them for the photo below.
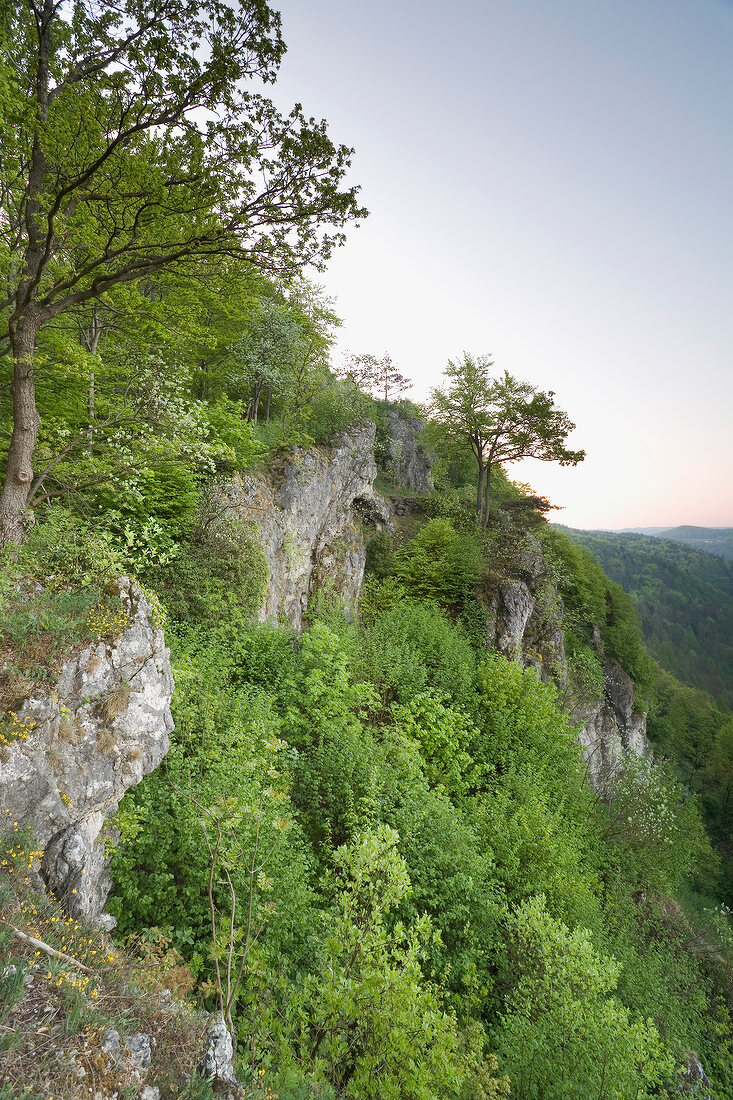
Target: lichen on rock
<point x="102" y="726"/>
<point x="307" y="514"/>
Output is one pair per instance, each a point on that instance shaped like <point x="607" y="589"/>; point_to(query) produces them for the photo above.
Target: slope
<point x="684" y="598"/>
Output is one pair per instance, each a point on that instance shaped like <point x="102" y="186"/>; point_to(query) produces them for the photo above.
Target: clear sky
<point x="551" y="182"/>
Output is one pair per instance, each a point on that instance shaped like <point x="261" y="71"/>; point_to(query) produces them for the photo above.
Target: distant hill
<point x="715" y="540"/>
<point x="684" y="598"/>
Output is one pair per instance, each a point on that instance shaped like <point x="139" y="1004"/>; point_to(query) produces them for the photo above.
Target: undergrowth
<point x="55" y="1009"/>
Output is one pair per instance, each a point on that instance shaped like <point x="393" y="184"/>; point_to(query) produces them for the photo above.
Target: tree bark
<point x="90" y="337"/>
<point x="487" y="497"/>
<point x="480" y="490"/>
<point x="26" y="318"/>
<point x="26" y="424"/>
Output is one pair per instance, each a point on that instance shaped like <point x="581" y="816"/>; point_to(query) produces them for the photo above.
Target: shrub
<point x="379" y="555"/>
<point x="439" y="564"/>
<point x="563" y="1035"/>
<point x="221" y="576"/>
<point x="413" y="647"/>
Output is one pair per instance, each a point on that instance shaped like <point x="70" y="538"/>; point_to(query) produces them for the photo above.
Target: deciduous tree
<point x="131" y="143"/>
<point x="503" y="419"/>
<point x="377" y="376"/>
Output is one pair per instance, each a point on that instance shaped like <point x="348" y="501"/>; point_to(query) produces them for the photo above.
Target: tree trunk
<point x="26" y="423"/>
<point x="487" y="497"/>
<point x="26" y="318"/>
<point x="480" y="490"/>
<point x="90" y="338"/>
<point x="256" y="401"/>
<point x="267" y="406"/>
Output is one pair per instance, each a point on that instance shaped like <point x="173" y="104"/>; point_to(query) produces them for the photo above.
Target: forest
<point x="372" y="847"/>
<point x="684" y="598"/>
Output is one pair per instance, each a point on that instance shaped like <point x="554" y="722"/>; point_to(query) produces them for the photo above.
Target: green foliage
<point x="591" y="599"/>
<point x="521" y="725"/>
<point x="455" y="881"/>
<point x="379" y="555"/>
<point x="219" y="575"/>
<point x="227" y="754"/>
<point x="657" y="824"/>
<point x="439" y="564"/>
<point x="443" y="734"/>
<point x="585" y="673"/>
<point x="412" y="647"/>
<point x="563" y="1034"/>
<point x="684" y="598"/>
<point x="372" y="1026"/>
<point x="55" y="590"/>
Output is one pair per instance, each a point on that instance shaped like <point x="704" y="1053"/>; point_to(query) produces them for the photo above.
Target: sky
<point x="550" y="182"/>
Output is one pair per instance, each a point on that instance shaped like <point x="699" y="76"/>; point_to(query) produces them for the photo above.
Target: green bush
<point x="379" y="555"/>
<point x="563" y="1036"/>
<point x="219" y="577"/>
<point x="440" y="564"/>
<point x="412" y="647"/>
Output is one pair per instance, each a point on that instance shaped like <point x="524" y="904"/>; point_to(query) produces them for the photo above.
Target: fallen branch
<point x="31" y="941"/>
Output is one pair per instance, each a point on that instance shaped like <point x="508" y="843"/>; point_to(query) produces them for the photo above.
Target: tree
<point x="378" y="376"/>
<point x="131" y="144"/>
<point x="266" y="354"/>
<point x="503" y="420"/>
<point x="563" y="1034"/>
<point x="371" y="1025"/>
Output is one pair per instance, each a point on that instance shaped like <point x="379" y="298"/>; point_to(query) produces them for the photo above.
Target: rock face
<point x="611" y="728"/>
<point x="102" y="728"/>
<point x="307" y="517"/>
<point x="525" y="614"/>
<point x="525" y="625"/>
<point x="408" y="463"/>
<point x="218" y="1061"/>
<point x="510" y="611"/>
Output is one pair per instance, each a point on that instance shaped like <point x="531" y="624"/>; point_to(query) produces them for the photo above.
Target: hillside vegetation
<point x="684" y="598"/>
<point x="388" y="832"/>
<point x="372" y="848"/>
<point x="714" y="540"/>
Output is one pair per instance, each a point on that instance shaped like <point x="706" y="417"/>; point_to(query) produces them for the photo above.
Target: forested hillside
<point x="714" y="540"/>
<point x="684" y="598"/>
<point x="375" y="862"/>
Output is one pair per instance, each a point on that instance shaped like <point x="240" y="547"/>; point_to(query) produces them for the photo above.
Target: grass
<point x="54" y="1011"/>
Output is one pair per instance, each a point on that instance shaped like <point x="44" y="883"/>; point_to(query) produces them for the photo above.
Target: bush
<point x="656" y="822"/>
<point x="439" y="564"/>
<point x="564" y="1037"/>
<point x="413" y="647"/>
<point x="221" y="576"/>
<point x="379" y="555"/>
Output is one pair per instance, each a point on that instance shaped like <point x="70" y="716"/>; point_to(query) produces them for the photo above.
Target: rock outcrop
<point x="218" y="1061"/>
<point x="102" y="727"/>
<point x="611" y="728"/>
<point x="408" y="463"/>
<point x="525" y="613"/>
<point x="306" y="512"/>
<point x="525" y="625"/>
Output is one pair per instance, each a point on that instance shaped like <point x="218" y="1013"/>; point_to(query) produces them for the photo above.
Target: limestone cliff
<point x="306" y="510"/>
<point x="525" y="625"/>
<point x="525" y="611"/>
<point x="408" y="463"/>
<point x="96" y="733"/>
<point x="611" y="727"/>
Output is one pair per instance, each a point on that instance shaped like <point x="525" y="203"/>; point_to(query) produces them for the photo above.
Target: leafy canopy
<point x="503" y="419"/>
